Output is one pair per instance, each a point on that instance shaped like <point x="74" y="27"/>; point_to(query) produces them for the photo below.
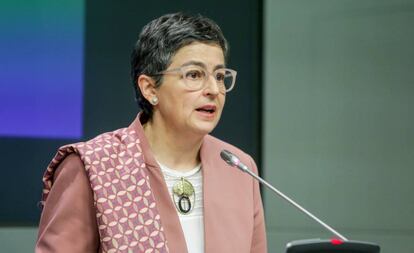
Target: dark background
<point x="111" y="29"/>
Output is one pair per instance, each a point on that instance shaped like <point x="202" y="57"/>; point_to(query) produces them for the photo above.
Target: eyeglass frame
<point x="180" y="69"/>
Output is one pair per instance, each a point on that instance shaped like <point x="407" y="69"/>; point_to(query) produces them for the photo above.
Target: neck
<point x="172" y="149"/>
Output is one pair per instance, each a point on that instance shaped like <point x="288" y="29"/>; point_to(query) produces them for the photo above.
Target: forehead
<point x="210" y="55"/>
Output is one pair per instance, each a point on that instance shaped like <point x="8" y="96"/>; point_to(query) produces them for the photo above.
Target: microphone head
<point x="226" y="156"/>
<point x="229" y="157"/>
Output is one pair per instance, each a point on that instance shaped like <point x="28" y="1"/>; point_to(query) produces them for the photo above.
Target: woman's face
<point x="184" y="110"/>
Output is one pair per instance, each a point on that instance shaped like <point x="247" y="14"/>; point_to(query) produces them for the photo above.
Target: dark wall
<point x="112" y="28"/>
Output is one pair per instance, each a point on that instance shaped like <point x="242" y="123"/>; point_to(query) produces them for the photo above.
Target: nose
<point x="211" y="87"/>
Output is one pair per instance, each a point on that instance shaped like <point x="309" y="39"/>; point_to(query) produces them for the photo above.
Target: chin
<point x="205" y="128"/>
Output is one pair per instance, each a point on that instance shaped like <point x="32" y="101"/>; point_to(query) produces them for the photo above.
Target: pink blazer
<point x="233" y="212"/>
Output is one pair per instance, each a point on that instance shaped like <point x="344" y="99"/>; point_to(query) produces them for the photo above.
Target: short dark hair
<point x="158" y="42"/>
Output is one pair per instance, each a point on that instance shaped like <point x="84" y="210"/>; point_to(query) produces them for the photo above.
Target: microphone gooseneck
<point x="234" y="161"/>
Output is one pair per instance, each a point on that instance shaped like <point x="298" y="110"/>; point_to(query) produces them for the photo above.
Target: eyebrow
<point x="201" y="64"/>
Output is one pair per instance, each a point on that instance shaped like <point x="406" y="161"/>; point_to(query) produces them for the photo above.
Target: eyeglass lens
<point x="196" y="77"/>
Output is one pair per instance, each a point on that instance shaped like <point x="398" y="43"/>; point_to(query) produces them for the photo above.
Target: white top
<point x="193" y="222"/>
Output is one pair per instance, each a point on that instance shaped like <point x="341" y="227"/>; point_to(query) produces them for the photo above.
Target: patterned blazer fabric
<point x="127" y="216"/>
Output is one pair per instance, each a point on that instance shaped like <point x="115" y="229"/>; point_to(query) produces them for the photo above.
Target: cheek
<point x="222" y="101"/>
<point x="187" y="103"/>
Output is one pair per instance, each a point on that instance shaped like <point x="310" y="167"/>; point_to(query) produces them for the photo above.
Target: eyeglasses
<point x="195" y="77"/>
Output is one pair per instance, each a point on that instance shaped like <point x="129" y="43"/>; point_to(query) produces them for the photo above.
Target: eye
<point x="220" y="76"/>
<point x="194" y="74"/>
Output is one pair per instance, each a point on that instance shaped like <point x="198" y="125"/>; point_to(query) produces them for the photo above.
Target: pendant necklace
<point x="184" y="196"/>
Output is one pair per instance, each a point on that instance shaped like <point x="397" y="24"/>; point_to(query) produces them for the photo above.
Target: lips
<point x="207" y="109"/>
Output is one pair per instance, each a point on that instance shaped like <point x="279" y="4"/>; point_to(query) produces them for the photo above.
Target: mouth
<point x="209" y="109"/>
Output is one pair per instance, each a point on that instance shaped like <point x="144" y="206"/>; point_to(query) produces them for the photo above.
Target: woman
<point x="159" y="185"/>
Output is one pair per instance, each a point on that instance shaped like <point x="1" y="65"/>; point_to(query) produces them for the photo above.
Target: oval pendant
<point x="184" y="196"/>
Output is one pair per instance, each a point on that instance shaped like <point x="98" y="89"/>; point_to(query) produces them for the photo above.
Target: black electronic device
<point x="331" y="246"/>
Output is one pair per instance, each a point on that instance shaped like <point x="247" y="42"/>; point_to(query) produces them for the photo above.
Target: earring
<point x="154" y="100"/>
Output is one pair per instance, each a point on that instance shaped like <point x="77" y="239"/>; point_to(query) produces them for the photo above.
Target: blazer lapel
<point x="212" y="184"/>
<point x="169" y="217"/>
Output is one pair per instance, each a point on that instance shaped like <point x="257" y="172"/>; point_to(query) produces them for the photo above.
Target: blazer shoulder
<point x="218" y="145"/>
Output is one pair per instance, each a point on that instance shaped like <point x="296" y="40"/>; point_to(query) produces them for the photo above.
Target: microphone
<point x="312" y="245"/>
<point x="234" y="161"/>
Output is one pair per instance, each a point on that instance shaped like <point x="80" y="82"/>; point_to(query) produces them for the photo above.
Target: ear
<point x="147" y="86"/>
